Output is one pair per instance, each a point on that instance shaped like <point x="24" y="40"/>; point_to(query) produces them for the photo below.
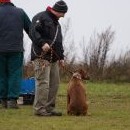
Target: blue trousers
<point x="11" y="65"/>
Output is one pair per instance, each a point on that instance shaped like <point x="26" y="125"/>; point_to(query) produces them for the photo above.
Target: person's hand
<point x="62" y="63"/>
<point x="46" y="47"/>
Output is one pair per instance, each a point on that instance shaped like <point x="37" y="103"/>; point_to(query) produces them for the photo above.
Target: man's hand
<point x="62" y="63"/>
<point x="46" y="47"/>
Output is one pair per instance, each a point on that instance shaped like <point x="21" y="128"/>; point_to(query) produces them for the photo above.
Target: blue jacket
<point x="13" y="21"/>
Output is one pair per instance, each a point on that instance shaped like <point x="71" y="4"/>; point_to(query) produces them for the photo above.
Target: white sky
<point x="88" y="16"/>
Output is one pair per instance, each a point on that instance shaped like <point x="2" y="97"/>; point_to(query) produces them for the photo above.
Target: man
<point x="13" y="21"/>
<point x="47" y="53"/>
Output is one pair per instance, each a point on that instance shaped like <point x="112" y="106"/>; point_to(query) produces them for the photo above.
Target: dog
<point x="76" y="94"/>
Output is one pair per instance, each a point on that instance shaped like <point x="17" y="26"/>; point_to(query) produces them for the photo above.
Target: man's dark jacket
<point x="43" y="30"/>
<point x="13" y="21"/>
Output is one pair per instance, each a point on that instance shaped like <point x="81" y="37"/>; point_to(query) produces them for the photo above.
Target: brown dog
<point x="76" y="95"/>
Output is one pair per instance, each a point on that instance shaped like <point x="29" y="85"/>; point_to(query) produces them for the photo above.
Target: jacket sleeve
<point x="61" y="51"/>
<point x="38" y="32"/>
<point x="27" y="23"/>
<point x="60" y="46"/>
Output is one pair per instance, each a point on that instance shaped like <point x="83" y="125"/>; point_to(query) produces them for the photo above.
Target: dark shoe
<point x="4" y="103"/>
<point x="12" y="104"/>
<point x="42" y="114"/>
<point x="54" y="113"/>
<point x="49" y="114"/>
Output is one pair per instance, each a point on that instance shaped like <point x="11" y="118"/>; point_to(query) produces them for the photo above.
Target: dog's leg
<point x="68" y="103"/>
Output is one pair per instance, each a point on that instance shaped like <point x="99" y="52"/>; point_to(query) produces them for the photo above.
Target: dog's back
<point x="76" y="96"/>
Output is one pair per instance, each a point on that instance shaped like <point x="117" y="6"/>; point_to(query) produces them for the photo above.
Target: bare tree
<point x="96" y="52"/>
<point x="68" y="41"/>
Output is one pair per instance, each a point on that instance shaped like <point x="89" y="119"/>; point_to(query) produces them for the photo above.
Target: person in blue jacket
<point x="13" y="21"/>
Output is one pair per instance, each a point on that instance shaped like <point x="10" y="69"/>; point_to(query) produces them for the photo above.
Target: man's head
<point x="60" y="8"/>
<point x="4" y="1"/>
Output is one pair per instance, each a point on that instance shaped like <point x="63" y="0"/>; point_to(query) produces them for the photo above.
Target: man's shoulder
<point x="39" y="14"/>
<point x="11" y="7"/>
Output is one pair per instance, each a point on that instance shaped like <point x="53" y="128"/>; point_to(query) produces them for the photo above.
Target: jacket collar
<point x="54" y="17"/>
<point x="7" y="3"/>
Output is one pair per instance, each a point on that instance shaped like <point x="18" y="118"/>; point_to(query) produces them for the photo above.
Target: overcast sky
<point x="88" y="16"/>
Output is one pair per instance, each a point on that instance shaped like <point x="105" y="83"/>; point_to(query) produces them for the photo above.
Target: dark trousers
<point x="10" y="74"/>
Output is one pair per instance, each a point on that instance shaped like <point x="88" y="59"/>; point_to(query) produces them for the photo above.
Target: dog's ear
<point x="84" y="74"/>
<point x="77" y="75"/>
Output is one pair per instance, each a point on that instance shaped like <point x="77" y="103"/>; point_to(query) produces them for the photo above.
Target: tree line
<point x="93" y="57"/>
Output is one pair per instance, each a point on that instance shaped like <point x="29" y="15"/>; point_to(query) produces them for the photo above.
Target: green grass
<point x="109" y="105"/>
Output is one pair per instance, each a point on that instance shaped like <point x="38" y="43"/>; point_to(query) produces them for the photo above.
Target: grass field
<point x="109" y="105"/>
